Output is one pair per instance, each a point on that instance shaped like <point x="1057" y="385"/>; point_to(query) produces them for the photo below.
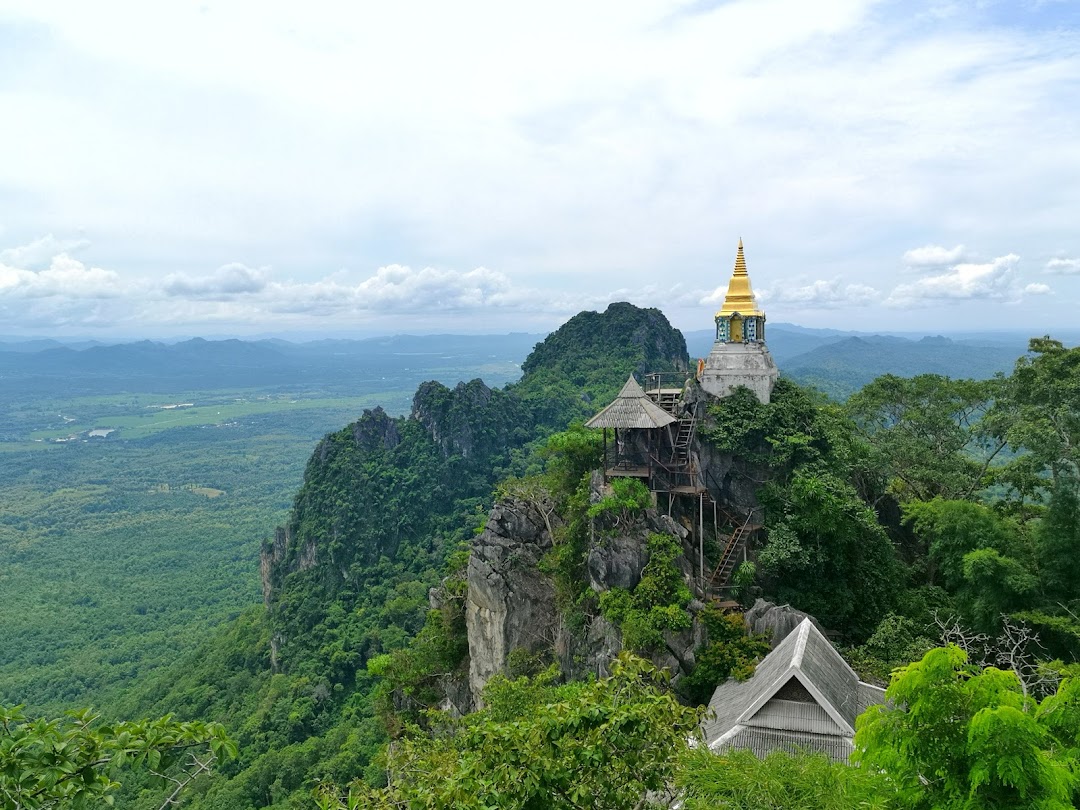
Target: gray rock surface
<point x="777" y="620"/>
<point x="510" y="603"/>
<point x="617" y="563"/>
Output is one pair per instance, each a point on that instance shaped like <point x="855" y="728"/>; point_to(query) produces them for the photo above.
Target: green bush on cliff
<point x="730" y="652"/>
<point x="657" y="603"/>
<point x="602" y="744"/>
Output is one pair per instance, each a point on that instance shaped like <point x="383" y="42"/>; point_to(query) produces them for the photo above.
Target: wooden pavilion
<point x="637" y="422"/>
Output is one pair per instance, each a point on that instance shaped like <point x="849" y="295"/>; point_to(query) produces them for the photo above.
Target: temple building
<point x="739" y="355"/>
<point x="802" y="697"/>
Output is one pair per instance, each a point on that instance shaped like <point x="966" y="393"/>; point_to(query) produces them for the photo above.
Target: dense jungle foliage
<point x="919" y="502"/>
<point x="311" y="687"/>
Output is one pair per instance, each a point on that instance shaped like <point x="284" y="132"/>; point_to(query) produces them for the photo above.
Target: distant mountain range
<point x="838" y="363"/>
<point x="347" y="366"/>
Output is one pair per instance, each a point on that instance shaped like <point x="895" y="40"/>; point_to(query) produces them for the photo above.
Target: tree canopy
<point x="73" y="762"/>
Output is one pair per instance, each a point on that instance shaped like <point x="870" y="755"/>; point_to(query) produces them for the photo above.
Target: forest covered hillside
<point x="384" y="514"/>
<point x="462" y="584"/>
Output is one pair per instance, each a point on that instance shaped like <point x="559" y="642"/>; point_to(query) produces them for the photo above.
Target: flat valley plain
<point x="133" y="500"/>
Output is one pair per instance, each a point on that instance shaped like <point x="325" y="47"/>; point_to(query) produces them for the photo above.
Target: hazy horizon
<point x="1066" y="335"/>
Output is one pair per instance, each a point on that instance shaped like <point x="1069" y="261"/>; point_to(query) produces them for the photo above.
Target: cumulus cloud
<point x="1063" y="266"/>
<point x="994" y="281"/>
<point x="64" y="277"/>
<point x="392" y="290"/>
<point x="1036" y="288"/>
<point x="40" y="252"/>
<point x="403" y="288"/>
<point x="933" y="256"/>
<point x="820" y="294"/>
<point x="228" y="281"/>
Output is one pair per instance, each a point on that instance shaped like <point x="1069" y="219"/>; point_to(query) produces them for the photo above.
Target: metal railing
<point x="667" y="478"/>
<point x="655" y="380"/>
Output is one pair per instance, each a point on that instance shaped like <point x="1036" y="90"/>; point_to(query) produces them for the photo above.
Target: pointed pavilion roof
<point x="740" y="297"/>
<point x="632" y="408"/>
<point x="802" y="695"/>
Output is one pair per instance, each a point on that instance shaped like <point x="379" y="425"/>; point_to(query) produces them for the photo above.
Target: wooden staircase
<point x="684" y="438"/>
<point x="668" y="399"/>
<point x="731" y="554"/>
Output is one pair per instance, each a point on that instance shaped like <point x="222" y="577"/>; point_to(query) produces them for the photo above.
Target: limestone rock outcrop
<point x="510" y="603"/>
<point x="775" y="620"/>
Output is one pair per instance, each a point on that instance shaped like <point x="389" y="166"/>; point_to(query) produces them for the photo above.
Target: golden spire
<point x="740" y="298"/>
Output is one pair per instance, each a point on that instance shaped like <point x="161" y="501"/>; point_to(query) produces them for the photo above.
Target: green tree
<point x="951" y="736"/>
<point x="929" y="434"/>
<point x="977" y="554"/>
<point x="601" y="745"/>
<point x="827" y="554"/>
<point x="1040" y="409"/>
<point x="1057" y="539"/>
<point x="730" y="652"/>
<point x="738" y="780"/>
<point x="950" y="529"/>
<point x="73" y="761"/>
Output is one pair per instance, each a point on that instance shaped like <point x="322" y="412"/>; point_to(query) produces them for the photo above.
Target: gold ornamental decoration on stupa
<point x="740" y="296"/>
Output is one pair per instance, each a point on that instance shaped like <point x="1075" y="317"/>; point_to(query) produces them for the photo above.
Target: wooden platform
<point x="725" y="604"/>
<point x="685" y="490"/>
<point x="627" y="472"/>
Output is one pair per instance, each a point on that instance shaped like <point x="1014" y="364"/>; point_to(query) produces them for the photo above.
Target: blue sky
<point x="243" y="168"/>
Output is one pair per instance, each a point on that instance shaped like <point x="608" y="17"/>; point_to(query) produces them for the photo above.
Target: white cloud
<point x="820" y="294"/>
<point x="402" y="288"/>
<point x="933" y="256"/>
<point x="1063" y="266"/>
<point x="229" y="280"/>
<point x="416" y="296"/>
<point x="994" y="280"/>
<point x="237" y="291"/>
<point x="1036" y="288"/>
<point x="64" y="278"/>
<point x="40" y="251"/>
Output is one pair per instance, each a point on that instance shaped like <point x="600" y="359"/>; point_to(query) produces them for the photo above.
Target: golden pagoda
<point x="739" y="319"/>
<point x="740" y="296"/>
<point x="739" y="356"/>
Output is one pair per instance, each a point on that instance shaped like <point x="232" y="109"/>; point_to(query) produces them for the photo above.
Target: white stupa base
<point x="730" y="365"/>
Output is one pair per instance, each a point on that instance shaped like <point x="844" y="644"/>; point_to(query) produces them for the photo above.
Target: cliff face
<point x="511" y="604"/>
<point x="382" y="479"/>
<point x="323" y="509"/>
<point x="471" y="420"/>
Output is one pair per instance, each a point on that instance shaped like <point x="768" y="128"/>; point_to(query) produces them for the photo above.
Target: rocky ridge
<point x="511" y="603"/>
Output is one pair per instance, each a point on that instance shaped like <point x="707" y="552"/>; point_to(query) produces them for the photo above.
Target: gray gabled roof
<point x="803" y="693"/>
<point x="632" y="408"/>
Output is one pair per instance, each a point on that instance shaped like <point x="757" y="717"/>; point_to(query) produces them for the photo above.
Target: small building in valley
<point x="802" y="696"/>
